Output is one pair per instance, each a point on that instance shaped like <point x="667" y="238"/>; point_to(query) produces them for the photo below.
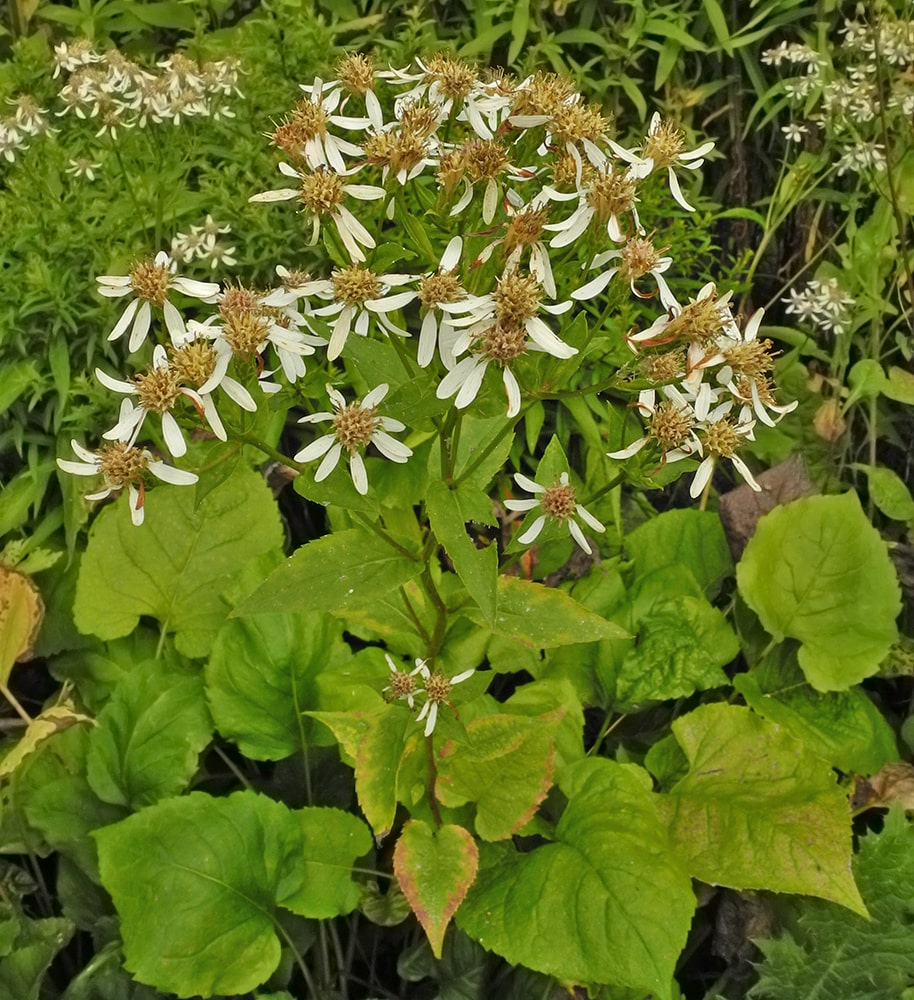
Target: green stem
<point x="421" y="630"/>
<point x="299" y="960"/>
<point x="492" y="445"/>
<point x="11" y="698"/>
<point x="603" y="490"/>
<point x="428" y="585"/>
<point x="432" y="775"/>
<point x="268" y="450"/>
<point x="607" y="727"/>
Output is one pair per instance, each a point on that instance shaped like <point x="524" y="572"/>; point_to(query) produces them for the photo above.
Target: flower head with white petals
<point x="149" y="282"/>
<point x="355" y="426"/>
<point x="664" y="147"/>
<point x="556" y="503"/>
<point x="403" y="685"/>
<point x="438" y="692"/>
<point x="121" y="466"/>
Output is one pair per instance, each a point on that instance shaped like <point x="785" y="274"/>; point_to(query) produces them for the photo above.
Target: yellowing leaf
<point x="21" y="612"/>
<point x="435" y="868"/>
<point x="54" y="720"/>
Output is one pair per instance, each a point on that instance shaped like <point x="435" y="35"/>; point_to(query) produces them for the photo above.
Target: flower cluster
<point x="545" y="204"/>
<point x="434" y="687"/>
<point x="845" y="96"/>
<point x="16" y="130"/>
<point x="117" y="93"/>
<point x="823" y="304"/>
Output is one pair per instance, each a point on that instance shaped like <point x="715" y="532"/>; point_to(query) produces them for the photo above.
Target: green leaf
<point x="331" y="573"/>
<point x="718" y="21"/>
<point x="758" y="810"/>
<point x="333" y="840"/>
<point x="627" y="927"/>
<point x="435" y="868"/>
<point x="843" y="727"/>
<point x="178" y="565"/>
<point x="380" y="744"/>
<point x="866" y="379"/>
<point x="817" y="571"/>
<point x="210" y="875"/>
<point x="889" y="492"/>
<point x="691" y="538"/>
<point x="542" y="617"/>
<point x="261" y="676"/>
<point x="505" y="767"/>
<point x="682" y="644"/>
<point x="829" y="952"/>
<point x="22" y="971"/>
<point x="149" y="736"/>
<point x="482" y="451"/>
<point x="449" y="510"/>
<point x="899" y="386"/>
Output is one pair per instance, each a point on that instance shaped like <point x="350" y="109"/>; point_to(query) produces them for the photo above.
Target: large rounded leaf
<point x="817" y="571"/>
<point x="608" y="902"/>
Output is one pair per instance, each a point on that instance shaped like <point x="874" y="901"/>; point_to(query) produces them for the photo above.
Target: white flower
<point x="120" y="465"/>
<point x="637" y="258"/>
<point x="403" y="686"/>
<point x="358" y="296"/>
<point x="437" y="691"/>
<point x="557" y="503"/>
<point x="83" y="167"/>
<point x="794" y="132"/>
<point x="441" y="292"/>
<point x="670" y="424"/>
<point x="663" y="147"/>
<point x="149" y="283"/>
<point x="354" y="428"/>
<point x="323" y="193"/>
<point x="606" y="195"/>
<point x="719" y="436"/>
<point x="157" y="390"/>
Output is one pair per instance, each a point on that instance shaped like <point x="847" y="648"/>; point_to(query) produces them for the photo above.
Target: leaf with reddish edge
<point x="505" y="768"/>
<point x="378" y="743"/>
<point x="435" y="868"/>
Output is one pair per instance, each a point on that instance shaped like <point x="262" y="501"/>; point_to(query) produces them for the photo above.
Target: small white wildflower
<point x="557" y="503"/>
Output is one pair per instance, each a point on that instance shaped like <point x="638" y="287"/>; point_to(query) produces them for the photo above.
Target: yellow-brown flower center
<point x="399" y="150"/>
<point x="638" y="257"/>
<point x="517" y="298"/>
<point x="484" y="158"/>
<point x="503" y="343"/>
<point x="322" y="191"/>
<point x="402" y="685"/>
<point x="158" y="388"/>
<point x="354" y="426"/>
<point x="665" y="145"/>
<point x="451" y="168"/>
<point x="559" y="502"/>
<point x="150" y="281"/>
<point x="721" y="438"/>
<point x="310" y="118"/>
<point x="356" y="73"/>
<point x="580" y="121"/>
<point x="665" y="367"/>
<point x="546" y="94"/>
<point x="670" y="425"/>
<point x="751" y="357"/>
<point x="455" y="79"/>
<point x="441" y="287"/>
<point x="355" y="284"/>
<point x="420" y="119"/>
<point x="525" y="229"/>
<point x="699" y="320"/>
<point x="438" y="688"/>
<point x="194" y="363"/>
<point x="611" y="193"/>
<point x="121" y="464"/>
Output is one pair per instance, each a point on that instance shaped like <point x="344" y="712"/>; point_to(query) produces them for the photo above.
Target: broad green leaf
<point x="336" y="490"/>
<point x="449" y="510"/>
<point x="817" y="571"/>
<point x="178" y="565"/>
<point x="333" y="840"/>
<point x="435" y="868"/>
<point x="758" y="810"/>
<point x="682" y="644"/>
<point x="555" y="694"/>
<point x="829" y="952"/>
<point x="22" y="971"/>
<point x="331" y="573"/>
<point x="690" y="538"/>
<point x="608" y="902"/>
<point x="504" y="767"/>
<point x="482" y="450"/>
<point x="889" y="492"/>
<point x="843" y="727"/>
<point x="542" y="617"/>
<point x="57" y="802"/>
<point x="899" y="386"/>
<point x="379" y="744"/>
<point x="261" y="676"/>
<point x="149" y="735"/>
<point x="21" y="612"/>
<point x="210" y="875"/>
